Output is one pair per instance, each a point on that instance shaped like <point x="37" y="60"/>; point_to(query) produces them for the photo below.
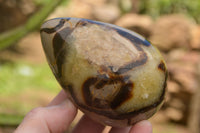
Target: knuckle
<point x="36" y="112"/>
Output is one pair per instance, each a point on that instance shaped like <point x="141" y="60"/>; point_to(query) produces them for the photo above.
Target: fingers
<point x="86" y="125"/>
<point x="120" y="130"/>
<point x="59" y="98"/>
<point x="142" y="127"/>
<point x="55" y="119"/>
<point x="59" y="118"/>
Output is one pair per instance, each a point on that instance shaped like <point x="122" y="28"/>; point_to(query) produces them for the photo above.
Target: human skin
<point x="57" y="116"/>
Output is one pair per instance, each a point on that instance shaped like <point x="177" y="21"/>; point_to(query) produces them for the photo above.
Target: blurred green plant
<point x="156" y="8"/>
<point x="15" y="77"/>
<point x="125" y="6"/>
<point x="11" y="120"/>
<point x="43" y="2"/>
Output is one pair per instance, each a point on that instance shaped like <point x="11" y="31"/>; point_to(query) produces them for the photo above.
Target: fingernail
<point x="145" y="122"/>
<point x="67" y="103"/>
<point x="142" y="127"/>
<point x="147" y="125"/>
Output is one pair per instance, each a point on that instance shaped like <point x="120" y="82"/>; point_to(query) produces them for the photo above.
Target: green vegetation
<point x="44" y="2"/>
<point x="156" y="8"/>
<point x="17" y="77"/>
<point x="24" y="86"/>
<point x="11" y="120"/>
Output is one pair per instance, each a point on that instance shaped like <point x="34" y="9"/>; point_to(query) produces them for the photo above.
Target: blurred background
<point x="173" y="26"/>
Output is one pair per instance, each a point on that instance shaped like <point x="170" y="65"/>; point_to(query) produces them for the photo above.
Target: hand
<point x="58" y="115"/>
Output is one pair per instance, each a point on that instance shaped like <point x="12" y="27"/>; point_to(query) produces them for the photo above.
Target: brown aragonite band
<point x="112" y="115"/>
<point x="124" y="94"/>
<point x="124" y="91"/>
<point x="162" y="66"/>
<point x="141" y="61"/>
<point x="56" y="28"/>
<point x="60" y="48"/>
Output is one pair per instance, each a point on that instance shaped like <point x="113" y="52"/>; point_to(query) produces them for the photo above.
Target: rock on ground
<point x="141" y="24"/>
<point x="171" y="31"/>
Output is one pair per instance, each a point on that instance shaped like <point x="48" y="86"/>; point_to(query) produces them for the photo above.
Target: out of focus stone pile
<point x="15" y="12"/>
<point x="179" y="40"/>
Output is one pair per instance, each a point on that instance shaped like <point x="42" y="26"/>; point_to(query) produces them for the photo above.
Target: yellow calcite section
<point x="148" y="83"/>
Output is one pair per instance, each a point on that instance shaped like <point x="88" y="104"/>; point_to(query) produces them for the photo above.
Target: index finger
<point x="142" y="127"/>
<point x="87" y="125"/>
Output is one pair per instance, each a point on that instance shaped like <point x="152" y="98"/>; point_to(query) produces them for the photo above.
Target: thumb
<point x="55" y="119"/>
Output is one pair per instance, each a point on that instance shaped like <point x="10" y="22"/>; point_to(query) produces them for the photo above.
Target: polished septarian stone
<point x="113" y="75"/>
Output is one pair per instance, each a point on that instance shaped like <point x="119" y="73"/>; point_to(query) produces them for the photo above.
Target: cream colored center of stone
<point x="104" y="47"/>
